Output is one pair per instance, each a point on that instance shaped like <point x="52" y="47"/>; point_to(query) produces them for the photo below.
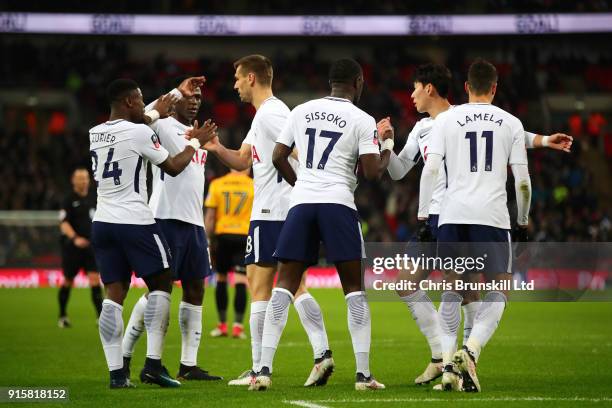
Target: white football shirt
<point x="477" y="142"/>
<point x="330" y="134"/>
<point x="271" y="200"/>
<point x="119" y="152"/>
<point x="181" y="197"/>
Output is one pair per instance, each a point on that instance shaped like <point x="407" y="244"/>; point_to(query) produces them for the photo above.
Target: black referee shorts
<point x="74" y="259"/>
<point x="230" y="253"/>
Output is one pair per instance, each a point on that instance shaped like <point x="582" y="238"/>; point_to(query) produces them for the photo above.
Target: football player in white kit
<point x="125" y="236"/>
<point x="177" y="207"/>
<point x="331" y="135"/>
<point x="271" y="202"/>
<point x="477" y="141"/>
<point x="431" y="86"/>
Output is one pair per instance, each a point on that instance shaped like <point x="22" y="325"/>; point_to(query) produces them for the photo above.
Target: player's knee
<point x="117" y="291"/>
<point x="160" y="281"/>
<point x="193" y="291"/>
<point x="470" y="296"/>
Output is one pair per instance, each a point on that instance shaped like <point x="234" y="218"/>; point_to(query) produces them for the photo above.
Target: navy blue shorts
<point x="123" y="248"/>
<point x="489" y="246"/>
<point x="307" y="225"/>
<point x="261" y="242"/>
<point x="189" y="248"/>
<point x="427" y="249"/>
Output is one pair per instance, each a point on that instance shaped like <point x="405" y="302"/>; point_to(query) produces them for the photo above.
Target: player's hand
<point x="188" y="86"/>
<point x="560" y="141"/>
<point x="81" y="242"/>
<point x="165" y="105"/>
<point x="385" y="129"/>
<point x="204" y="133"/>
<point x="520" y="233"/>
<point x="424" y="232"/>
<point x="213" y="144"/>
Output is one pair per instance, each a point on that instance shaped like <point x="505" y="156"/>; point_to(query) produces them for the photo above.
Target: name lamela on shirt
<point x="486" y="117"/>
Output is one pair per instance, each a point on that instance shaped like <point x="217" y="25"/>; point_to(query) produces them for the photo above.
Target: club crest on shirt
<point x="155" y="141"/>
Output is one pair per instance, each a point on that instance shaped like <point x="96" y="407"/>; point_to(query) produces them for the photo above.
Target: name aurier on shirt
<point x="480" y="116"/>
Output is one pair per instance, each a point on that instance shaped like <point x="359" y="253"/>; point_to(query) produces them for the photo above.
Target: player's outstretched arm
<point x="556" y="141"/>
<point x="399" y="166"/>
<point x="197" y="136"/>
<point x="280" y="159"/>
<point x="234" y="159"/>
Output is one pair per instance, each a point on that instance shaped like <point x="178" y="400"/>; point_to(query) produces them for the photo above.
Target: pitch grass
<point x="544" y="354"/>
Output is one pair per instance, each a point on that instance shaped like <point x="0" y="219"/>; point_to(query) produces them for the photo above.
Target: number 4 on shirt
<point x="115" y="173"/>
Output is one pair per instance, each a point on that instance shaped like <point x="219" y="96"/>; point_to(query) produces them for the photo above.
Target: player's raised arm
<point x="399" y="165"/>
<point x="198" y="136"/>
<point x="159" y="109"/>
<point x="374" y="164"/>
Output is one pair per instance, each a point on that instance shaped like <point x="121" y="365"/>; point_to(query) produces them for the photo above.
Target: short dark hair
<point x="481" y="76"/>
<point x="259" y="65"/>
<point x="80" y="168"/>
<point x="119" y="89"/>
<point x="437" y="75"/>
<point x="344" y="71"/>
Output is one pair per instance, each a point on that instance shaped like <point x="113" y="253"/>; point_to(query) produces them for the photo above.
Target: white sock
<point x="360" y="327"/>
<point x="156" y="317"/>
<point x="258" y="315"/>
<point x="110" y="326"/>
<point x="469" y="312"/>
<point x="310" y="315"/>
<point x="135" y="327"/>
<point x="426" y="317"/>
<point x="274" y="324"/>
<point x="449" y="317"/>
<point x="486" y="321"/>
<point x="190" y="323"/>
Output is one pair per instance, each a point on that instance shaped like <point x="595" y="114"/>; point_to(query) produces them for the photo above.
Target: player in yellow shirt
<point x="228" y="213"/>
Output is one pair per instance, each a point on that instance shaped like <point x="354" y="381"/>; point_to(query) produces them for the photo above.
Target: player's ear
<point x="494" y="89"/>
<point x="429" y="89"/>
<point x="466" y="87"/>
<point x="251" y="78"/>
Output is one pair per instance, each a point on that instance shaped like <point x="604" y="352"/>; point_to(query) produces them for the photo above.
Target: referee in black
<point x="75" y="224"/>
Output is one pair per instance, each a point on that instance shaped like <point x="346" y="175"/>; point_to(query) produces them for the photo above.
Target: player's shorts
<point x="490" y="247"/>
<point x="414" y="248"/>
<point x="230" y="253"/>
<point x="123" y="248"/>
<point x="261" y="242"/>
<point x="189" y="249"/>
<point x="74" y="259"/>
<point x="307" y="225"/>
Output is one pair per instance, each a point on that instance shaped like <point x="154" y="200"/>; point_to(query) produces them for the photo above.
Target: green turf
<point x="544" y="354"/>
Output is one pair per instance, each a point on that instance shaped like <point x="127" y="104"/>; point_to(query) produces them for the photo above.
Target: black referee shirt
<point x="78" y="212"/>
